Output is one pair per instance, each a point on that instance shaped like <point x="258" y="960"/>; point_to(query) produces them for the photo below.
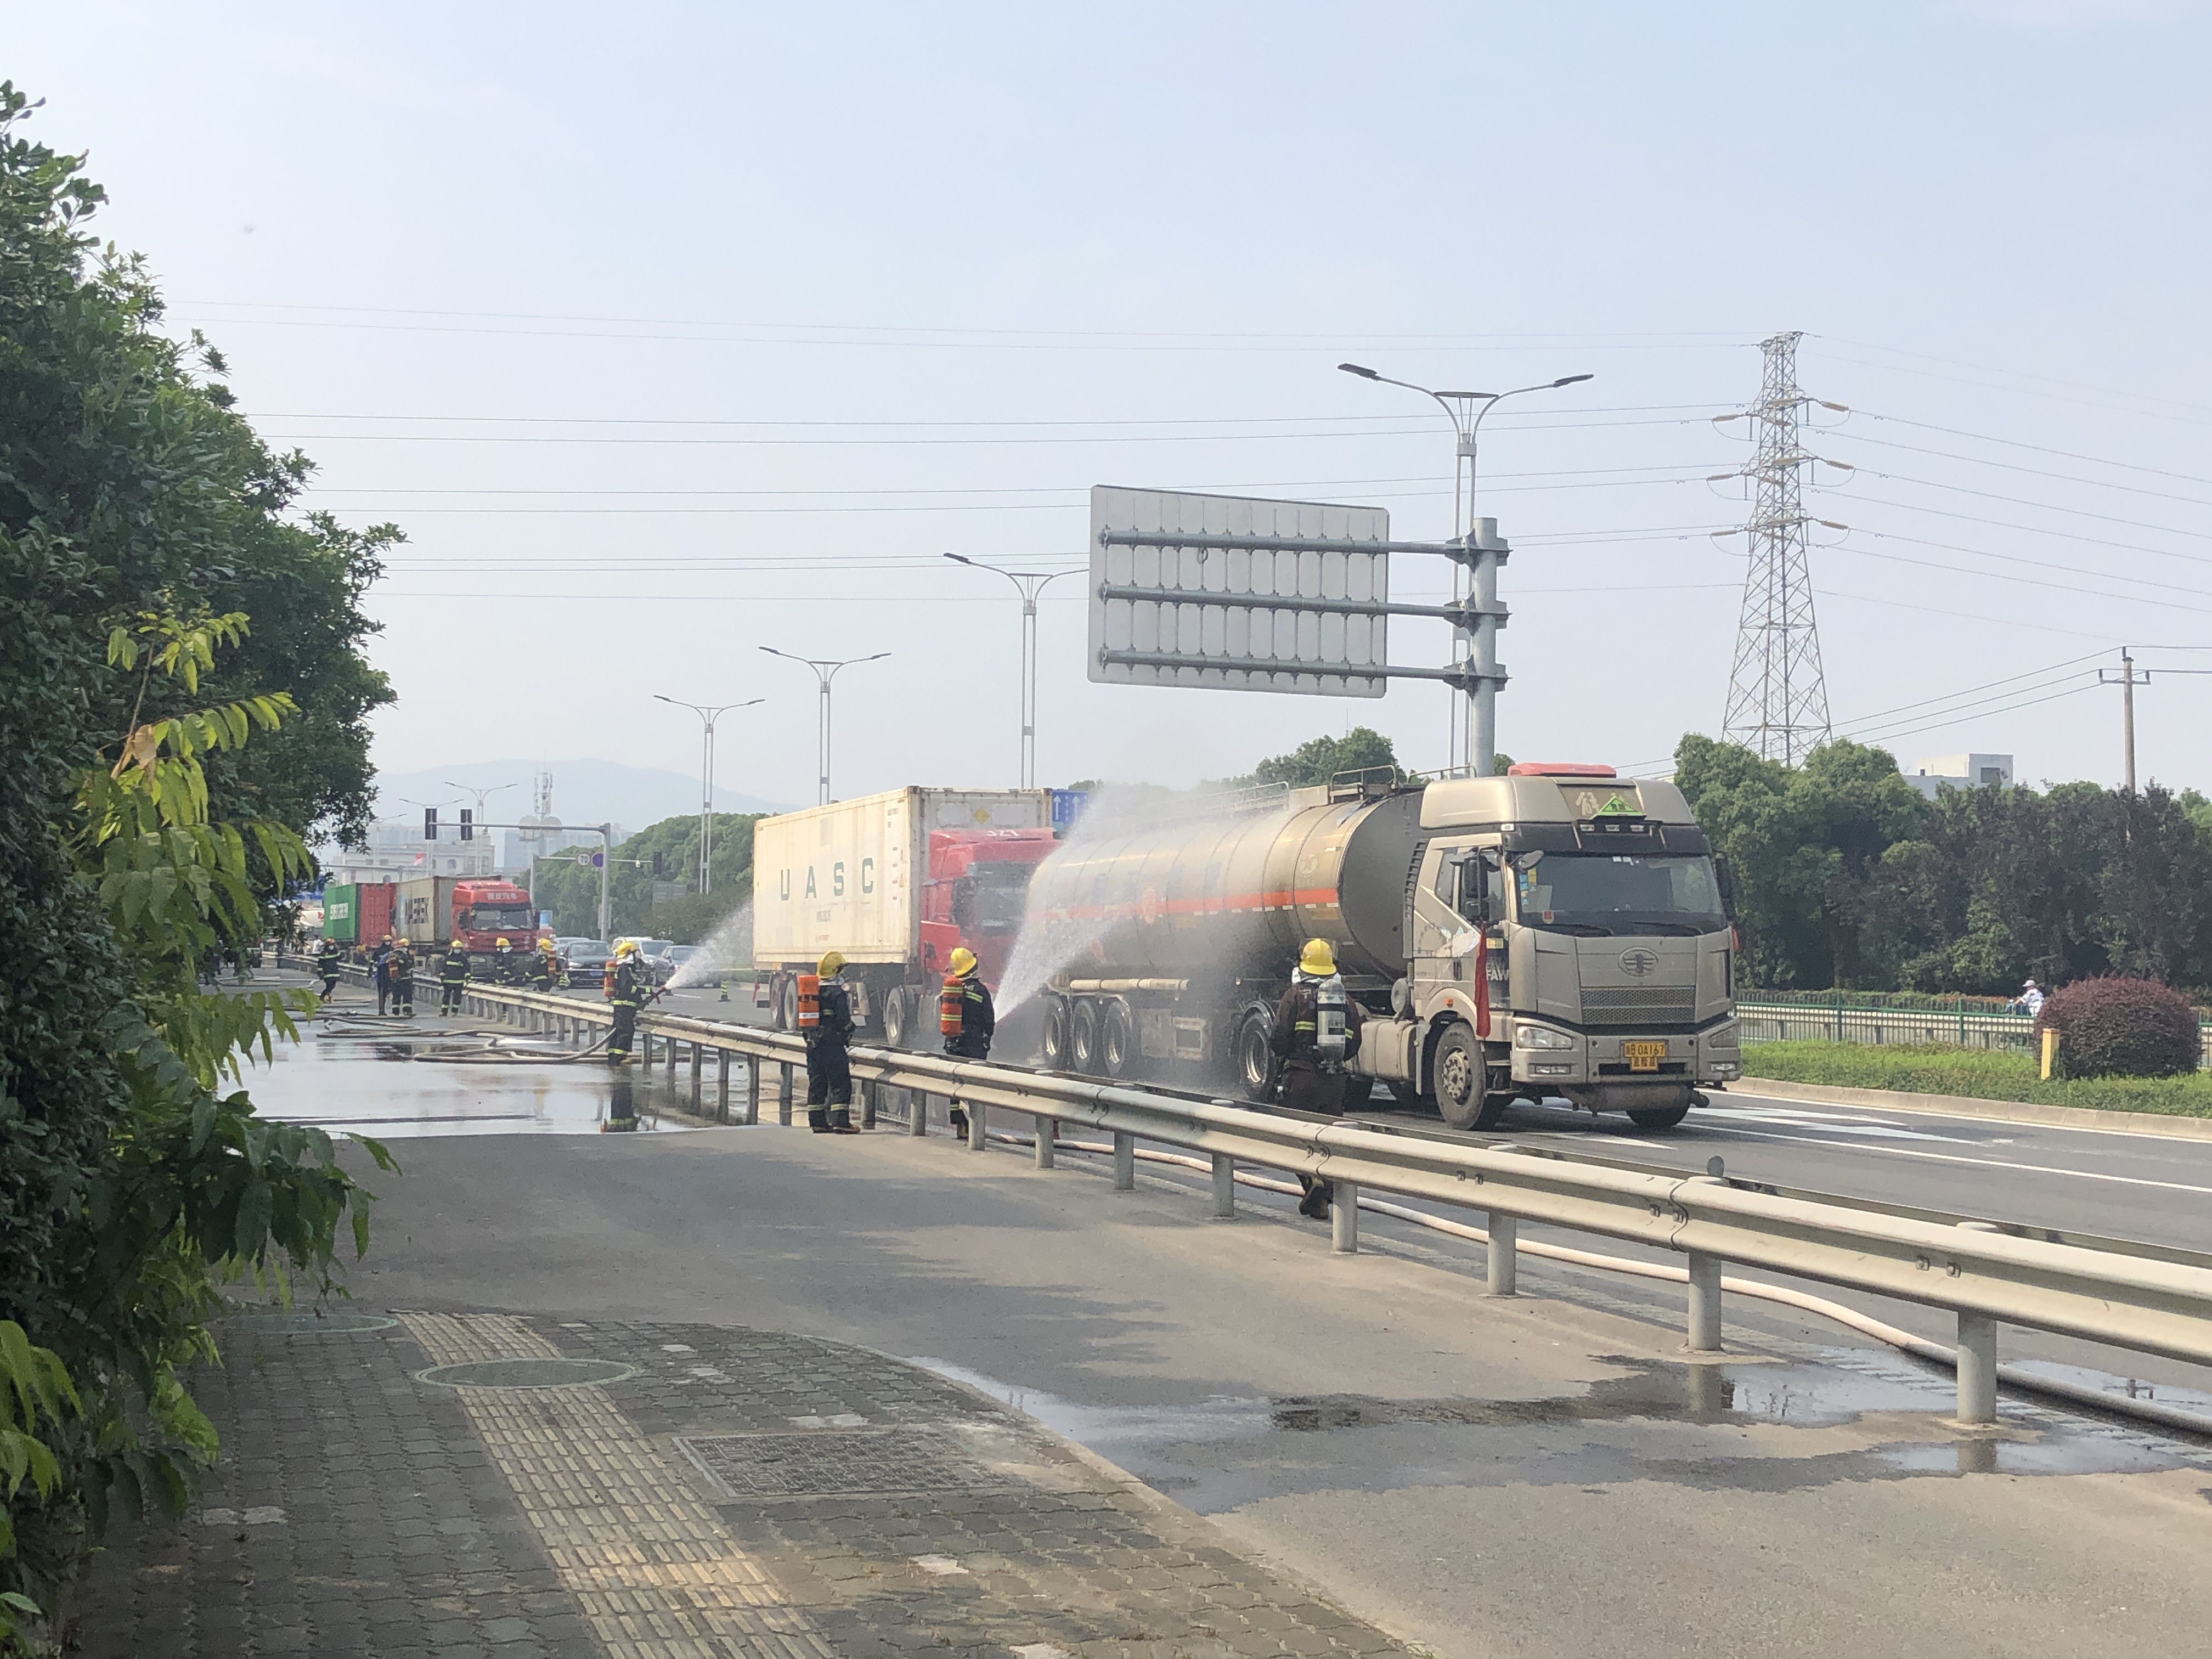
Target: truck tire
<point x="1659" y="1117"/>
<point x="787" y="1004"/>
<point x="1056" y="1047"/>
<point x="1083" y="1037"/>
<point x="1460" y="1075"/>
<point x="900" y="1009"/>
<point x="1254" y="1056"/>
<point x="1117" y="1041"/>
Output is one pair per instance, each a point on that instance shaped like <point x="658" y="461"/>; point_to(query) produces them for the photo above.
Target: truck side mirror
<point x="964" y="901"/>
<point x="1726" y="876"/>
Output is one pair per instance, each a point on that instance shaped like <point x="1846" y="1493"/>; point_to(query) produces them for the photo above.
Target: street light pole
<point x="1484" y="553"/>
<point x="707" y="713"/>
<point x="1029" y="584"/>
<point x="480" y="794"/>
<point x="825" y="670"/>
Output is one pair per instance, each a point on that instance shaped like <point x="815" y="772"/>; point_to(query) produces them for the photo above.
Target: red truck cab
<point x="486" y="911"/>
<point x="975" y="893"/>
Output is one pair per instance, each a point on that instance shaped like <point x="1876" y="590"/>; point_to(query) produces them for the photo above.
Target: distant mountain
<point x="583" y="791"/>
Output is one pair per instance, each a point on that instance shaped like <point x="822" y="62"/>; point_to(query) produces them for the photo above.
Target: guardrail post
<point x="975" y="1138"/>
<point x="1048" y="1130"/>
<point x="783" y="1095"/>
<point x="1224" y="1186"/>
<point x="1505" y="1263"/>
<point x="1124" y="1162"/>
<point x="1978" y="1367"/>
<point x="917" y="1113"/>
<point x="868" y="1087"/>
<point x="698" y="1061"/>
<point x="1705" y="1303"/>
<point x="1344" y="1218"/>
<point x="671" y="1058"/>
<point x="721" y="1085"/>
<point x="752" y="1090"/>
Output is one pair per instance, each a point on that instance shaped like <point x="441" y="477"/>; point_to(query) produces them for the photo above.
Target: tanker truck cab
<point x="1567" y="935"/>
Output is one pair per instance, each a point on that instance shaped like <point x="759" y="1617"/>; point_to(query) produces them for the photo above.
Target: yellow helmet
<point x="832" y="964"/>
<point x="961" y="963"/>
<point x="626" y="948"/>
<point x="504" y="945"/>
<point x="400" y="943"/>
<point x="1318" y="960"/>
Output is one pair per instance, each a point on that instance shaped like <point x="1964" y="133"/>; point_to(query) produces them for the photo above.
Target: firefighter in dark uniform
<point x="379" y="971"/>
<point x="505" y="966"/>
<point x="965" y="1017"/>
<point x="1315" y="1034"/>
<point x="400" y="966"/>
<point x="544" y="968"/>
<point x="327" y="966"/>
<point x="624" y="990"/>
<point x="829" y="1068"/>
<point x="453" y="975"/>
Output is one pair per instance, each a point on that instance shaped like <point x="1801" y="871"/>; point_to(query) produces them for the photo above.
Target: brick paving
<point x="360" y="1510"/>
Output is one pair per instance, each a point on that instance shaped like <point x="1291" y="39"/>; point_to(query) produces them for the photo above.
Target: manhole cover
<point x="842" y="1465"/>
<point x="309" y="1324"/>
<point x="526" y="1373"/>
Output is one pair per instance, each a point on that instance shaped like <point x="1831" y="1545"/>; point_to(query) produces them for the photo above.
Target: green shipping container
<point x="342" y="913"/>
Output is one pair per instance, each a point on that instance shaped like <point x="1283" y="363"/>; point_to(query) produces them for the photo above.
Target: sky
<point x="675" y="332"/>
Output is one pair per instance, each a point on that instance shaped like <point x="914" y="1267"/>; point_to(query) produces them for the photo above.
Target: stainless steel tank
<point x="1238" y="893"/>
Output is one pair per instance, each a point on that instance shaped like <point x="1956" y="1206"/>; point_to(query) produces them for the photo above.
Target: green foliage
<point x="1975" y="1074"/>
<point x="2112" y="1026"/>
<point x="1318" y="760"/>
<point x="571" y="891"/>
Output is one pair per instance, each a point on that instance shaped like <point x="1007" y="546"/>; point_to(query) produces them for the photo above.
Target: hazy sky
<point x="670" y="331"/>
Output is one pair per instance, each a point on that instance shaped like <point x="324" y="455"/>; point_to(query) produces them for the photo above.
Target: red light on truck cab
<point x="1558" y="769"/>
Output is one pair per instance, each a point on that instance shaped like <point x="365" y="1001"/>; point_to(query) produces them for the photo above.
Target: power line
<point x="2039" y="449"/>
<point x="2036" y="507"/>
<point x="2008" y="679"/>
<point x="2035" y="471"/>
<point x="1179" y="421"/>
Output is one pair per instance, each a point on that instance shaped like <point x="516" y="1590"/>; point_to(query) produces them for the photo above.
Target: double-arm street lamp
<point x="1030" y="583"/>
<point x="824" y="671"/>
<point x="707" y="713"/>
<point x="1467" y="410"/>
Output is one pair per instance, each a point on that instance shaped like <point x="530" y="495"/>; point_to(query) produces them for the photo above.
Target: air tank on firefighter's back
<point x="1238" y="893"/>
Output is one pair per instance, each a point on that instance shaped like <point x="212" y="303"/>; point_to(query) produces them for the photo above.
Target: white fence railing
<point x="2134" y="1296"/>
<point x="1782" y="1022"/>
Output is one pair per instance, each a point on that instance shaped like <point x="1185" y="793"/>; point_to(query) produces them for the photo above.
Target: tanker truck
<point x="1556" y="931"/>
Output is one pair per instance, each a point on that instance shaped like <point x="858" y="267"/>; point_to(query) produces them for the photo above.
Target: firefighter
<point x="965" y="1017"/>
<point x="504" y="967"/>
<point x="453" y="975"/>
<point x="1315" y="1034"/>
<point x="622" y="986"/>
<point x="544" y="967"/>
<point x="829" y="1069"/>
<point x="400" y="966"/>
<point x="327" y="966"/>
<point x="379" y="971"/>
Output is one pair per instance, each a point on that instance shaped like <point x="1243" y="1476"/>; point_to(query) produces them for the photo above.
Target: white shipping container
<point x="848" y="876"/>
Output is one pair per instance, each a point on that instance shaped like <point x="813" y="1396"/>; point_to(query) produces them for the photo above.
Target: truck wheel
<point x="1255" y="1056"/>
<point x="1117" y="1041"/>
<point x="1459" y="1074"/>
<point x="786" y="1005"/>
<point x="1659" y="1117"/>
<point x="1083" y="1037"/>
<point x="1058" y="1039"/>
<point x="899" y="1017"/>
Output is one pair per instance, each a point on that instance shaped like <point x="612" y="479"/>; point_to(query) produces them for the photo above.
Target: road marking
<point x="1986" y="1163"/>
<point x="651" y="1571"/>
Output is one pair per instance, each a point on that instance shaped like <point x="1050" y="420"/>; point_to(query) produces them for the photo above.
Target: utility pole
<point x="1474" y="634"/>
<point x="707" y="713"/>
<point x="825" y="670"/>
<point x="1778" y="700"/>
<point x="2127" y="679"/>
<point x="1030" y="583"/>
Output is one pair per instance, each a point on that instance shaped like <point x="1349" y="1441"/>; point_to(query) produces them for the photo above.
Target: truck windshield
<point x="1000" y="895"/>
<point x="1598" y="893"/>
<point x="503" y="918"/>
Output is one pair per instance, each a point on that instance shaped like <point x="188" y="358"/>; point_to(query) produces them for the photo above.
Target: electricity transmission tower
<point x="1778" y="700"/>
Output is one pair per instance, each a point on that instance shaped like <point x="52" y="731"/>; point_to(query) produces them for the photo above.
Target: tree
<point x="571" y="892"/>
<point x="1318" y="760"/>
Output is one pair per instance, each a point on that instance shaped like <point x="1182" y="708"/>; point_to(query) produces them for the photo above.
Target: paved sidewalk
<point x="638" y="1490"/>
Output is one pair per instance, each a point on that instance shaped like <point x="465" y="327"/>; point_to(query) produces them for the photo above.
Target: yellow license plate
<point x="1643" y="1056"/>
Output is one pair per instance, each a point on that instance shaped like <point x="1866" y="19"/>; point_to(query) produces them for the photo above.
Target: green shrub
<point x="2116" y="1027"/>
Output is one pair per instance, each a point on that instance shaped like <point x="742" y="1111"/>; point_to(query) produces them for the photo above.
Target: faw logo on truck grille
<point x="1639" y="961"/>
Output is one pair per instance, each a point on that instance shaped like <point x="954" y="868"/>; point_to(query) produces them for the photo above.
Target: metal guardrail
<point x="2130" y="1295"/>
<point x="1782" y="1022"/>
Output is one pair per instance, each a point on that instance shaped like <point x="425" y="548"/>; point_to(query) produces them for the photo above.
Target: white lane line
<point x="1980" y="1162"/>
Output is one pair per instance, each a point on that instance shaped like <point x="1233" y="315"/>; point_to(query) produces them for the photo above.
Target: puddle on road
<point x="1684" y="1425"/>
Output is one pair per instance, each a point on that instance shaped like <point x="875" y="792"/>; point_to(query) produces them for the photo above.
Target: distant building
<point x="396" y="851"/>
<point x="1932" y="777"/>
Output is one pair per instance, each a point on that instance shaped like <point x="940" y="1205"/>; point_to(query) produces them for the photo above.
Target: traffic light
<point x="656" y="866"/>
<point x="429" y="823"/>
<point x="468" y="824"/>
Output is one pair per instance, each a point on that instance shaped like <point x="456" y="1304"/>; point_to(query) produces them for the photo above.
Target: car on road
<point x="584" y="961"/>
<point x="678" y="956"/>
<point x="654" y="956"/>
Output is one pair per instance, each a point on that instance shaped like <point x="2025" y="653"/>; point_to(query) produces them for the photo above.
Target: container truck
<point x="358" y="914"/>
<point x="1559" y="930"/>
<point x="434" y="911"/>
<point x="897" y="882"/>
